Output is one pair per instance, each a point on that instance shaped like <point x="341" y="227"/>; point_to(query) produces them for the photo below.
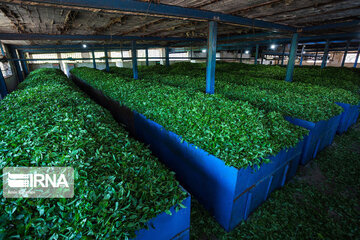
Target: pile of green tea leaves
<point x="330" y="77"/>
<point x="119" y="185"/>
<point x="234" y="131"/>
<point x="299" y="100"/>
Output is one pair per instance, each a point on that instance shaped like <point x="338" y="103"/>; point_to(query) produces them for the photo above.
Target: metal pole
<point x="302" y="55"/>
<point x="147" y="56"/>
<point x="167" y="53"/>
<point x="357" y="57"/>
<point x="93" y="58"/>
<point x="107" y="60"/>
<point x="23" y="63"/>
<point x="262" y="59"/>
<point x="256" y="53"/>
<point x="345" y="53"/>
<point x="283" y="55"/>
<point x="14" y="55"/>
<point x="3" y="89"/>
<point x="326" y="53"/>
<point x="292" y="56"/>
<point x="134" y="59"/>
<point x="211" y="58"/>
<point x="2" y="50"/>
<point x="316" y="54"/>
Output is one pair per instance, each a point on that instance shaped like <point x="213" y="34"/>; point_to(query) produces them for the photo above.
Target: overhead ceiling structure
<point x="175" y="22"/>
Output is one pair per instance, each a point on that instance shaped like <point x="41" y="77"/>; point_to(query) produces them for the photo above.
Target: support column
<point x="107" y="60"/>
<point x="134" y="59"/>
<point x="345" y="53"/>
<point x="167" y="57"/>
<point x="326" y="53"/>
<point x="256" y="53"/>
<point x="14" y="55"/>
<point x="262" y="59"/>
<point x="3" y="88"/>
<point x="292" y="56"/>
<point x="283" y="55"/>
<point x="357" y="57"/>
<point x="211" y="57"/>
<point x="316" y="54"/>
<point x="23" y="63"/>
<point x="147" y="56"/>
<point x="241" y="52"/>
<point x="302" y="55"/>
<point x="2" y="50"/>
<point x="93" y="59"/>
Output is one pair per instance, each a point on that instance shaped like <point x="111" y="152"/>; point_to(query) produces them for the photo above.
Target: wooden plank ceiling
<point x="15" y="18"/>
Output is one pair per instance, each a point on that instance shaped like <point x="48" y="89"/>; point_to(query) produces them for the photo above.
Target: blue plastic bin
<point x="321" y="134"/>
<point x="166" y="227"/>
<point x="348" y="117"/>
<point x="229" y="194"/>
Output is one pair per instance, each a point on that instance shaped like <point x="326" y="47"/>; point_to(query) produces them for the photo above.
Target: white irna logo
<point x="36" y="180"/>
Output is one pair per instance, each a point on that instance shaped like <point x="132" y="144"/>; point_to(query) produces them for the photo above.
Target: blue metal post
<point x="134" y="60"/>
<point x="345" y="53"/>
<point x="302" y="55"/>
<point x="357" y="57"/>
<point x="167" y="57"/>
<point x="107" y="60"/>
<point x="316" y="54"/>
<point x="147" y="56"/>
<point x="2" y="50"/>
<point x="283" y="55"/>
<point x="211" y="58"/>
<point x="93" y="58"/>
<point x="256" y="53"/>
<point x="292" y="56"/>
<point x="3" y="89"/>
<point x="23" y="63"/>
<point x="14" y="55"/>
<point x="326" y="53"/>
<point x="241" y="52"/>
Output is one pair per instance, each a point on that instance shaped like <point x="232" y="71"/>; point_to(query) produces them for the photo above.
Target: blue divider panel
<point x="356" y="114"/>
<point x="321" y="134"/>
<point x="174" y="227"/>
<point x="348" y="117"/>
<point x="330" y="131"/>
<point x="228" y="193"/>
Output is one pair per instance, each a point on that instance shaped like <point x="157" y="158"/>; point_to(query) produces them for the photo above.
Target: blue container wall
<point x="348" y="117"/>
<point x="175" y="226"/>
<point x="321" y="134"/>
